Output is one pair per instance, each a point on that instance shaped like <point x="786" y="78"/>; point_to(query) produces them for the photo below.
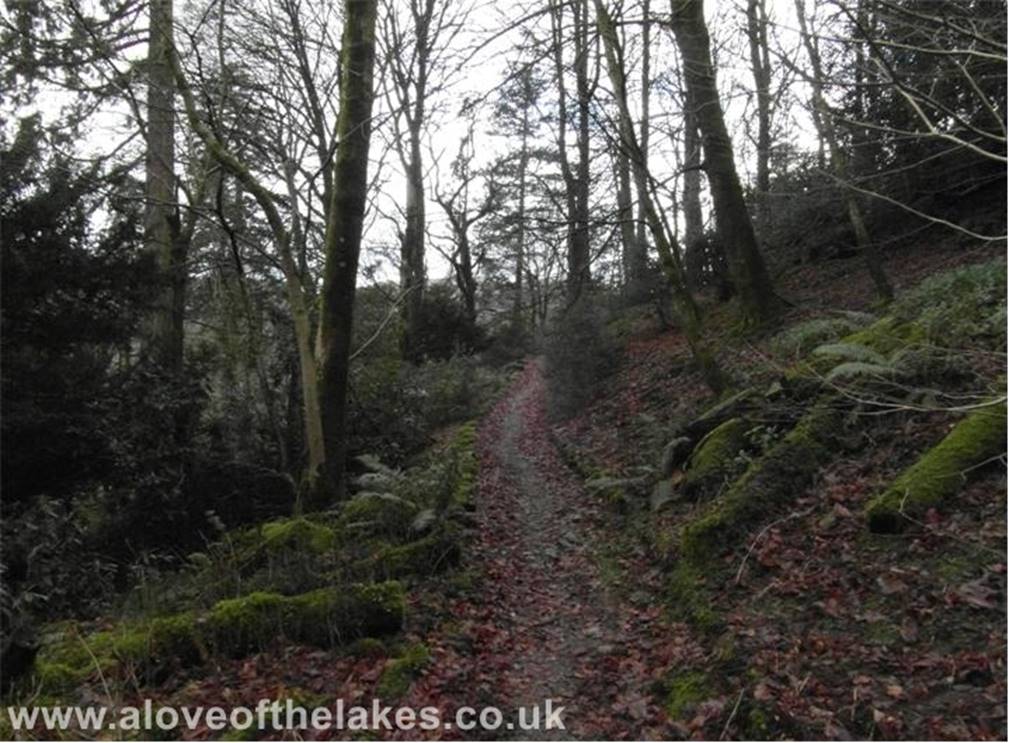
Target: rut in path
<point x="536" y="541"/>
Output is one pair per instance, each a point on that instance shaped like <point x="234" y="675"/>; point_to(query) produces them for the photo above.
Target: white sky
<point x="485" y="71"/>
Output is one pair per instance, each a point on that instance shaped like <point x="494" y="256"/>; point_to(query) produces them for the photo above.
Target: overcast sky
<point x="484" y="47"/>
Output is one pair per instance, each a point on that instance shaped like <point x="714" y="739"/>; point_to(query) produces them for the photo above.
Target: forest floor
<point x="814" y="627"/>
<point x="541" y="620"/>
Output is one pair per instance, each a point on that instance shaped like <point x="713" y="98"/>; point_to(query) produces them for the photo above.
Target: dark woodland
<point x="648" y="358"/>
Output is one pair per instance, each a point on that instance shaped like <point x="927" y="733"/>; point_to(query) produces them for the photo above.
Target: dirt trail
<point x="536" y="536"/>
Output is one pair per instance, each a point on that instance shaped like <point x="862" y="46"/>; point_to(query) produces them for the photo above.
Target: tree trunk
<point x="296" y="295"/>
<point x="760" y="62"/>
<point x="824" y="120"/>
<point x="413" y="276"/>
<point x="687" y="310"/>
<point x="343" y="235"/>
<point x="580" y="258"/>
<point x="576" y="182"/>
<point x="637" y="265"/>
<point x="693" y="215"/>
<point x="520" y="239"/>
<point x="625" y="216"/>
<point x="161" y="223"/>
<point x="758" y="301"/>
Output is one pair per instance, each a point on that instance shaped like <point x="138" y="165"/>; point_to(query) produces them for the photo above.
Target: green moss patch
<point x="778" y="476"/>
<point x="400" y="672"/>
<point x="941" y="471"/>
<point x="714" y="457"/>
<point x="686" y="691"/>
<point x="380" y="513"/>
<point x="326" y="617"/>
<point x="298" y="534"/>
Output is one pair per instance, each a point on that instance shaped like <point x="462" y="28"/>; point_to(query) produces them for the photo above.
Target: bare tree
<point x="687" y="309"/>
<point x="462" y="214"/>
<point x="161" y="219"/>
<point x="413" y="54"/>
<point x="576" y="177"/>
<point x="749" y="273"/>
<point x="760" y="64"/>
<point x="824" y="120"/>
<point x="344" y="226"/>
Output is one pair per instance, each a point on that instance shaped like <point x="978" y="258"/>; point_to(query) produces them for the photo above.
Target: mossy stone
<point x="940" y="472"/>
<point x="779" y="475"/>
<point x="431" y="554"/>
<point x="384" y="513"/>
<point x="297" y="534"/>
<point x="326" y="617"/>
<point x="714" y="456"/>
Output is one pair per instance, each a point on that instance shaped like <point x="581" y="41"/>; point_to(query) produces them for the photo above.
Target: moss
<point x="882" y="633"/>
<point x="686" y="690"/>
<point x="941" y="471"/>
<point x="69" y="657"/>
<point x="426" y="556"/>
<point x="299" y="534"/>
<point x="464" y="448"/>
<point x="400" y="672"/>
<point x="325" y="617"/>
<point x="714" y="457"/>
<point x="778" y="476"/>
<point x="689" y="599"/>
<point x="368" y="647"/>
<point x="758" y="727"/>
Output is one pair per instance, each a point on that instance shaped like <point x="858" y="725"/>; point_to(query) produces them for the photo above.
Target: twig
<point x="753" y="545"/>
<point x="98" y="666"/>
<point x="733" y="715"/>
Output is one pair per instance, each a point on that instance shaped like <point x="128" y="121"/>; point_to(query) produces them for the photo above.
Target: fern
<point x="856" y="369"/>
<point x="851" y="352"/>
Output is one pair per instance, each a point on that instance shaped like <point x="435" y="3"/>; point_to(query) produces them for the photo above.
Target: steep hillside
<point x="831" y="532"/>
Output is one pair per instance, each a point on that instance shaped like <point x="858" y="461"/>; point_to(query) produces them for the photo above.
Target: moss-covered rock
<point x="714" y="457"/>
<point x="400" y="672"/>
<point x="941" y="471"/>
<point x="778" y="476"/>
<point x="326" y="617"/>
<point x="801" y="338"/>
<point x="460" y="470"/>
<point x="297" y="534"/>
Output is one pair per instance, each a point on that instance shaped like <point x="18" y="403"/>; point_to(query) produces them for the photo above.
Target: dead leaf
<point x="909" y="630"/>
<point x="891" y="584"/>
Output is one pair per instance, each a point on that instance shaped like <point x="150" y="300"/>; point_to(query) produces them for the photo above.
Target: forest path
<point x="536" y="548"/>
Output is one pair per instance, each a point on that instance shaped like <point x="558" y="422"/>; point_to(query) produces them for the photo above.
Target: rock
<point x="675" y="454"/>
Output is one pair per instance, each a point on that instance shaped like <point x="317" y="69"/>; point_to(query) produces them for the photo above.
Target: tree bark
<point x="760" y="63"/>
<point x="758" y="301"/>
<point x="576" y="179"/>
<point x="161" y="222"/>
<point x="344" y="228"/>
<point x="296" y="295"/>
<point x="687" y="310"/>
